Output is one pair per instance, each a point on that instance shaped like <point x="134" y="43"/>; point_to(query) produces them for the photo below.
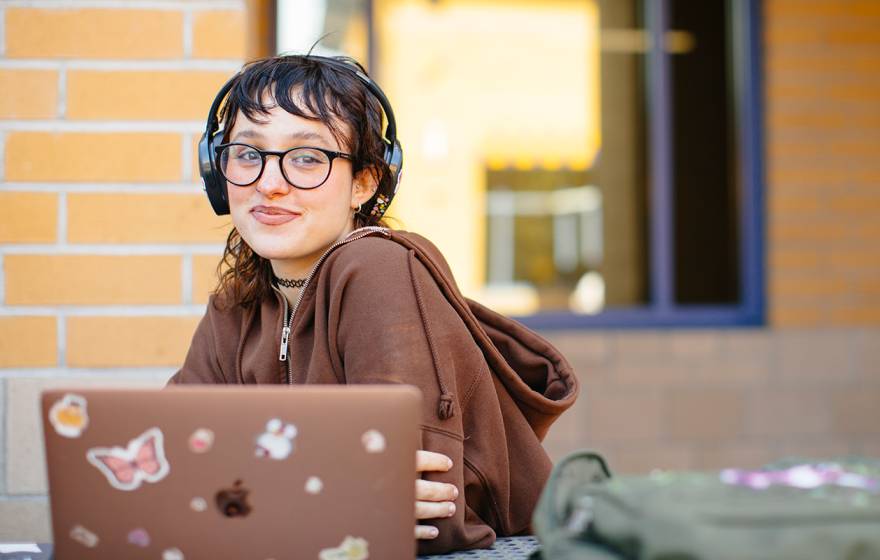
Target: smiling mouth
<point x="273" y="216"/>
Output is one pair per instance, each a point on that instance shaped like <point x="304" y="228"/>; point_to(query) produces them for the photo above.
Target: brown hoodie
<point x="382" y="307"/>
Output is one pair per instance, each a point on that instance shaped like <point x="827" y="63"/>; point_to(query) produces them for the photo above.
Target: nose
<point x="272" y="183"/>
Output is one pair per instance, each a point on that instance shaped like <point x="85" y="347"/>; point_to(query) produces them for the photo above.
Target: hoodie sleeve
<point x="202" y="364"/>
<point x="384" y="333"/>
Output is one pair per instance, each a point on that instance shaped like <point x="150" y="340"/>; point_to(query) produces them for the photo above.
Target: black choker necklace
<point x="292" y="282"/>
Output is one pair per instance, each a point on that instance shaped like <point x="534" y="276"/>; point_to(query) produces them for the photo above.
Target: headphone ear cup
<point x="215" y="184"/>
<point x="394" y="160"/>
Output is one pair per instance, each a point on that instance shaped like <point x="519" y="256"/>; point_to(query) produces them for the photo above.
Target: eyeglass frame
<point x="331" y="154"/>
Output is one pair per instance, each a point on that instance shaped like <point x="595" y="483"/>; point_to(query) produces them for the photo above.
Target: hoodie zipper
<point x="288" y="317"/>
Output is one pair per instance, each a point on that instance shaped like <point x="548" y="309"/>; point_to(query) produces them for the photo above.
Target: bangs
<point x="311" y="91"/>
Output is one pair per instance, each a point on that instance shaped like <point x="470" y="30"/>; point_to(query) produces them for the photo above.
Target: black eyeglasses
<point x="304" y="167"/>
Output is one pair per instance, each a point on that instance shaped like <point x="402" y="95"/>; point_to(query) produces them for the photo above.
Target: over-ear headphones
<point x="215" y="183"/>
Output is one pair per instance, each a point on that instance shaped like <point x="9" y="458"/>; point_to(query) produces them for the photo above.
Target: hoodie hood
<point x="536" y="375"/>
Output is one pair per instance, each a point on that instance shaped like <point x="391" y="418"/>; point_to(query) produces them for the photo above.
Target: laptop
<point x="185" y="473"/>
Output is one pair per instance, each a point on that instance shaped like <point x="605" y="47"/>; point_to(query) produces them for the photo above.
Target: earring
<point x="358" y="210"/>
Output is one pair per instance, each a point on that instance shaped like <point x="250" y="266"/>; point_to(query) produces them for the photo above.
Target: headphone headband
<point x="215" y="183"/>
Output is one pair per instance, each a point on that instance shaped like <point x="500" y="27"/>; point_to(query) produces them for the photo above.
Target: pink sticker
<point x="201" y="440"/>
<point x="351" y="549"/>
<point x="84" y="537"/>
<point x="69" y="416"/>
<point x="373" y="441"/>
<point x="139" y="537"/>
<point x="126" y="467"/>
<point x="277" y="441"/>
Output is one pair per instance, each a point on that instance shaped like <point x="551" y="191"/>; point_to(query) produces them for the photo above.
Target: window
<point x="579" y="162"/>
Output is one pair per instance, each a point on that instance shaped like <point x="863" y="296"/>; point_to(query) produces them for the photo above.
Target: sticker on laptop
<point x="139" y="537"/>
<point x="373" y="441"/>
<point x="314" y="485"/>
<point x="172" y="554"/>
<point x="351" y="549"/>
<point x="126" y="467"/>
<point x="69" y="416"/>
<point x="198" y="504"/>
<point x="83" y="536"/>
<point x="277" y="441"/>
<point x="201" y="440"/>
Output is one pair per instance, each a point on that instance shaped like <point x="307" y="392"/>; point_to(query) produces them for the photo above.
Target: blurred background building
<point x="684" y="195"/>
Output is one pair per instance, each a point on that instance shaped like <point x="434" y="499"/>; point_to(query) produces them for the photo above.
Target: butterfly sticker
<point x="125" y="468"/>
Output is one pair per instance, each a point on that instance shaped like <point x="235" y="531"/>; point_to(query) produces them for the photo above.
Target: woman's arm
<point x="380" y="332"/>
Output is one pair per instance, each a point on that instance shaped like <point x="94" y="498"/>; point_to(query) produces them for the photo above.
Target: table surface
<point x="511" y="548"/>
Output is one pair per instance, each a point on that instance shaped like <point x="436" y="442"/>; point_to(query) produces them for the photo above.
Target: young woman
<point x="315" y="289"/>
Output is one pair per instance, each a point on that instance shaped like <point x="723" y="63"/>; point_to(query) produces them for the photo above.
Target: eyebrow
<point x="301" y="135"/>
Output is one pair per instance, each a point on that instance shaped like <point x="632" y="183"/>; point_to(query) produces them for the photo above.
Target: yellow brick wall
<point x="823" y="162"/>
<point x="107" y="244"/>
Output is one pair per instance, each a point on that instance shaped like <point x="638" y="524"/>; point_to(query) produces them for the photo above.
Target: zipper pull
<point x="285" y="335"/>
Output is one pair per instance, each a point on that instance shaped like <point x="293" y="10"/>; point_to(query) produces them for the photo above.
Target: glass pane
<point x="705" y="153"/>
<point x="523" y="132"/>
<point x="341" y="25"/>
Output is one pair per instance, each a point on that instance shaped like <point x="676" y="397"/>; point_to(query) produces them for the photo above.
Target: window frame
<point x="662" y="311"/>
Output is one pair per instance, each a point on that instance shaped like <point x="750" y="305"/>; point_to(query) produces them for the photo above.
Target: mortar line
<point x="187" y="155"/>
<point x="61" y="338"/>
<point x="186" y="278"/>
<point x="162" y="5"/>
<point x="59" y="125"/>
<point x="61" y="226"/>
<point x="216" y="65"/>
<point x="115" y="249"/>
<point x="187" y="34"/>
<point x="103" y="310"/>
<point x="115" y="188"/>
<point x="61" y="108"/>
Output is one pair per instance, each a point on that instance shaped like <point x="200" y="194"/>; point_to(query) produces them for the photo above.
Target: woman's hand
<point x="433" y="499"/>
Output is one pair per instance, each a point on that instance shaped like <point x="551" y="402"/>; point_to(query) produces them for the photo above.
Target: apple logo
<point x="232" y="502"/>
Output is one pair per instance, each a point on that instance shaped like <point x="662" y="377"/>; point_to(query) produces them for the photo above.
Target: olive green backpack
<point x="790" y="510"/>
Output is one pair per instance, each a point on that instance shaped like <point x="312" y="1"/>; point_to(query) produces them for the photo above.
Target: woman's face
<point x="281" y="222"/>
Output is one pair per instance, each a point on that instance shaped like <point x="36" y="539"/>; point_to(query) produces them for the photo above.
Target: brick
<point x="644" y="458"/>
<point x="817" y="356"/>
<point x="25" y="464"/>
<point x="787" y="259"/>
<point x="583" y="349"/>
<point x="855" y="259"/>
<point x="143" y="218"/>
<point x="28" y="342"/>
<point x="856" y="205"/>
<point x="99" y="157"/>
<point x="92" y="279"/>
<point x="28" y="217"/>
<point x="128" y="341"/>
<point x="803" y="285"/>
<point x="25" y="521"/>
<point x="694" y="346"/>
<point x="745" y="455"/>
<point x="28" y="94"/>
<point x="807" y="232"/>
<point x="219" y="34"/>
<point x="153" y="95"/>
<point x="93" y="33"/>
<point x="851" y="315"/>
<point x="204" y="276"/>
<point x="788" y="411"/>
<point x="788" y="316"/>
<point x="626" y="415"/>
<point x="705" y="414"/>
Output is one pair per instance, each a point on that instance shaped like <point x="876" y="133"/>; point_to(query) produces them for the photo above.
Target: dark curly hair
<point x="329" y="91"/>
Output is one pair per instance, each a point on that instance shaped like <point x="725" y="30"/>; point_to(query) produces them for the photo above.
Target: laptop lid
<point x="324" y="472"/>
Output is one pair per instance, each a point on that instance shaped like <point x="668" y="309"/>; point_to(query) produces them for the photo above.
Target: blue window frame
<point x="662" y="309"/>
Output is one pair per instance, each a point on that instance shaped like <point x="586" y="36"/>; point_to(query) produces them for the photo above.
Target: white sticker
<point x="172" y="554"/>
<point x="83" y="536"/>
<point x="314" y="485"/>
<point x="69" y="416"/>
<point x="277" y="441"/>
<point x="126" y="467"/>
<point x="373" y="441"/>
<point x="198" y="504"/>
<point x="351" y="549"/>
<point x="201" y="440"/>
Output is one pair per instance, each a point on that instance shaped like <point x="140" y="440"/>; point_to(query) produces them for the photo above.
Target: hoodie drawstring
<point x="446" y="404"/>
